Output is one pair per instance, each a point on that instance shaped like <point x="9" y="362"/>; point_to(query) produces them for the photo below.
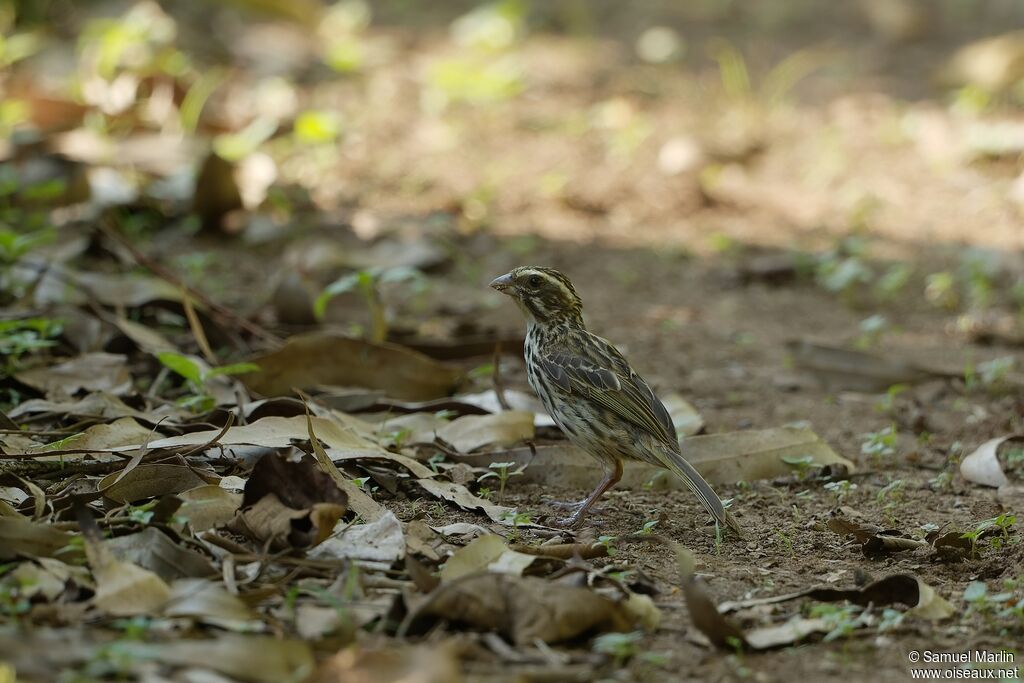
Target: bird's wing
<point x="599" y="372"/>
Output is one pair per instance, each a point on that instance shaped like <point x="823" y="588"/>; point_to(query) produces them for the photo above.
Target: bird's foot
<point x="566" y="504"/>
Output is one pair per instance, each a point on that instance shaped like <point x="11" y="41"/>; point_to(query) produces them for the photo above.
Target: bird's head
<point x="545" y="295"/>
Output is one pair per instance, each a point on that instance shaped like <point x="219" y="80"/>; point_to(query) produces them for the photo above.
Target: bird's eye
<point x="535" y="280"/>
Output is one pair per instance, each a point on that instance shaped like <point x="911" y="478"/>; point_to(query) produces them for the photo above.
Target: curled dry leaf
<point x="461" y="496"/>
<point x="378" y="544"/>
<point x="208" y="507"/>
<point x="983" y="466"/>
<point x="122" y="589"/>
<point x="685" y="417"/>
<point x="470" y="432"/>
<point x="91" y="372"/>
<point x="21" y="538"/>
<point x="331" y="359"/>
<point x="210" y="603"/>
<point x="703" y="613"/>
<point x="151" y="549"/>
<point x="898" y="589"/>
<point x="123" y="431"/>
<point x="260" y="659"/>
<point x="278" y="432"/>
<point x="98" y="404"/>
<point x="524" y="609"/>
<point x="434" y="663"/>
<point x="485" y="554"/>
<point x="150" y="481"/>
<point x="362" y="504"/>
<point x="874" y="540"/>
<point x="291" y="504"/>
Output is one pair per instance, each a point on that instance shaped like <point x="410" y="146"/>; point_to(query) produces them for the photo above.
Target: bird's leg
<point x="611" y="478"/>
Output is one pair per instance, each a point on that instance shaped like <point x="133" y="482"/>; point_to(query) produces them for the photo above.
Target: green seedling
<point x="621" y="647"/>
<point x="871" y="331"/>
<point x="803" y="465"/>
<point x="840" y="489"/>
<point x="26" y="336"/>
<point x="887" y="404"/>
<point x="880" y="443"/>
<point x="503" y="473"/>
<point x="198" y="379"/>
<point x="367" y="283"/>
<point x="609" y="543"/>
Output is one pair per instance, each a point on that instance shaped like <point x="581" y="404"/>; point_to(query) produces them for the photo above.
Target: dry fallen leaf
<point x="377" y="544"/>
<point x="209" y="603"/>
<point x="122" y="589"/>
<point x="874" y="540"/>
<point x="524" y="609"/>
<point x="208" y="507"/>
<point x="20" y="537"/>
<point x="331" y="359"/>
<point x="486" y="553"/>
<point x="151" y="549"/>
<point x="983" y="466"/>
<point x="470" y="432"/>
<point x="91" y="372"/>
<point x="405" y="663"/>
<point x="291" y="504"/>
<point x="149" y="481"/>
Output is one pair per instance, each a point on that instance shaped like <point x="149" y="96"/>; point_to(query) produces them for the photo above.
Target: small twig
<point x="198" y="333"/>
<point x="499" y="388"/>
<point x="165" y="274"/>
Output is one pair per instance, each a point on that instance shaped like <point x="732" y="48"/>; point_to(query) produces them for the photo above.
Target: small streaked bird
<point x="592" y="393"/>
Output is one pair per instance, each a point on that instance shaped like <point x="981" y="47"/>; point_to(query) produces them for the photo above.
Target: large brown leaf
<point x="333" y="359"/>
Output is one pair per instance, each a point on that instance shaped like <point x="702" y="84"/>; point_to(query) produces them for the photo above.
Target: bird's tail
<point x="708" y="498"/>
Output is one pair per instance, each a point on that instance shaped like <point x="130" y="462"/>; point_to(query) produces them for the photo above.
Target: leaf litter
<point x="164" y="502"/>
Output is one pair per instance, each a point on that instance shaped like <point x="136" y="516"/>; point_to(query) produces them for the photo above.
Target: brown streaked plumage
<point x="592" y="393"/>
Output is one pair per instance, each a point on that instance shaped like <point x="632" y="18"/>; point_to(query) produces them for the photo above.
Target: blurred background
<point x="303" y="141"/>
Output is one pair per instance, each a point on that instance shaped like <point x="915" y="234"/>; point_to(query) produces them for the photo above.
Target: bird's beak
<point x="502" y="283"/>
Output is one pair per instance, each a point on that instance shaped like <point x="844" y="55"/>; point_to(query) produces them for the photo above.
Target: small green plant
<point x="803" y="465"/>
<point x="200" y="399"/>
<point x="787" y="543"/>
<point x="893" y="281"/>
<point x="940" y="290"/>
<point x="880" y="443"/>
<point x="516" y="518"/>
<point x="367" y="283"/>
<point x="890" y="497"/>
<point x="133" y="628"/>
<point x="503" y="473"/>
<point x="891" y="620"/>
<point x="840" y="489"/>
<point x="142" y="514"/>
<point x="13" y="602"/>
<point x="841" y="619"/>
<point x="26" y="336"/>
<point x="997" y="528"/>
<point x="887" y="404"/>
<point x="943" y="481"/>
<point x="620" y="646"/>
<point x="609" y="544"/>
<point x="1014" y="459"/>
<point x="648" y="527"/>
<point x="871" y="331"/>
<point x="992" y="374"/>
